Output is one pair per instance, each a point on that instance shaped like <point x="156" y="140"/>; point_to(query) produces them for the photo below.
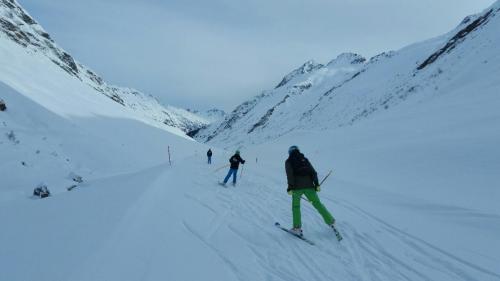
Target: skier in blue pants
<point x="235" y="161"/>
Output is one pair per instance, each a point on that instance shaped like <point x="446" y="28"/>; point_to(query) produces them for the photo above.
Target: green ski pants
<point x="314" y="199"/>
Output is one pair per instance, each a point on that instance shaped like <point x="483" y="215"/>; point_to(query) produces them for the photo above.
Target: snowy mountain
<point x="350" y="89"/>
<point x="212" y="115"/>
<point x="307" y="67"/>
<point x="16" y="25"/>
<point x="63" y="119"/>
<point x="410" y="136"/>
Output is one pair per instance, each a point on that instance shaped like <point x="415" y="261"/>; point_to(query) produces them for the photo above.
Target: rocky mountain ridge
<point x="18" y="26"/>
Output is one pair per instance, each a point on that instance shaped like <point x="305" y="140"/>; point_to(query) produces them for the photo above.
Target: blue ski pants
<point x="233" y="172"/>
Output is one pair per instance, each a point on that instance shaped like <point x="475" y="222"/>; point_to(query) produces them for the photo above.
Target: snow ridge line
<point x="457" y="39"/>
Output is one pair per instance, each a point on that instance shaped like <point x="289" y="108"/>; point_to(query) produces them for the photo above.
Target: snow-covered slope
<point x="17" y="26"/>
<point x="350" y="88"/>
<point x="163" y="222"/>
<point x="61" y="118"/>
<point x="412" y="139"/>
<point x="414" y="188"/>
<point x="74" y="135"/>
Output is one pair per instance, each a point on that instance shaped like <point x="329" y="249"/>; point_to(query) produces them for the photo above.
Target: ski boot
<point x="297" y="231"/>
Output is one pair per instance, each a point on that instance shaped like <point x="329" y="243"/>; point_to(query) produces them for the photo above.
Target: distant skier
<point x="303" y="180"/>
<point x="209" y="156"/>
<point x="235" y="161"/>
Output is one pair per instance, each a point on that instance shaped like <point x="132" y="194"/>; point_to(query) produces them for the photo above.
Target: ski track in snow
<point x="362" y="254"/>
<point x="232" y="231"/>
<point x="439" y="258"/>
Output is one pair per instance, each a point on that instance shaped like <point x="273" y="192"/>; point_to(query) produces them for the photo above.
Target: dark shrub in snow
<point x="75" y="177"/>
<point x="41" y="191"/>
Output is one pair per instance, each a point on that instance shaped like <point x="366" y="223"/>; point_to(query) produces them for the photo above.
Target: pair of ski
<point x="301" y="237"/>
<point x="224" y="185"/>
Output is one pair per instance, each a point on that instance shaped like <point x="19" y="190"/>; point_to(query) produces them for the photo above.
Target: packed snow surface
<point x="175" y="222"/>
<point x="415" y="199"/>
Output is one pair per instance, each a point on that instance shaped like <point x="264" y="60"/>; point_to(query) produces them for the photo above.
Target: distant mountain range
<point x="351" y="88"/>
<point x="212" y="115"/>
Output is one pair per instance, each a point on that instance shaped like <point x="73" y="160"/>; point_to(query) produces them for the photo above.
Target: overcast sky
<point x="218" y="53"/>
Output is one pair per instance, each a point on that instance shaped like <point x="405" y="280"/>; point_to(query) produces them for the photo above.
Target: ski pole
<point x="324" y="179"/>
<point x="221" y="168"/>
<point x="241" y="173"/>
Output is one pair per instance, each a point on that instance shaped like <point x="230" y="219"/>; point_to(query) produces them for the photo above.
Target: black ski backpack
<point x="300" y="165"/>
<point x="234" y="159"/>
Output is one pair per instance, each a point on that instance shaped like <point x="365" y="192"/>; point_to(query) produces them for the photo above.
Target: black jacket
<point x="209" y="153"/>
<point x="297" y="181"/>
<point x="235" y="161"/>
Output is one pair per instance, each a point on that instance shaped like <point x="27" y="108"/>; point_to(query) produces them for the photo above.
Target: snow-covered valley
<point x="414" y="188"/>
<point x="175" y="222"/>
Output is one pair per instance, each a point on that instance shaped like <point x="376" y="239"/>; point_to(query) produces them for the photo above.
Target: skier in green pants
<point x="303" y="180"/>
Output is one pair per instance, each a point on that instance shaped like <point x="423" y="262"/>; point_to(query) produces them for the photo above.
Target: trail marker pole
<point x="169" y="162"/>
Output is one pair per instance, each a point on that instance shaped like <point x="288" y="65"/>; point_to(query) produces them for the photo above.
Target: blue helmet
<point x="292" y="148"/>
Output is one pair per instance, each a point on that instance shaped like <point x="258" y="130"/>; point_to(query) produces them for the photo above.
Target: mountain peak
<point x="308" y="67"/>
<point x="346" y="59"/>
